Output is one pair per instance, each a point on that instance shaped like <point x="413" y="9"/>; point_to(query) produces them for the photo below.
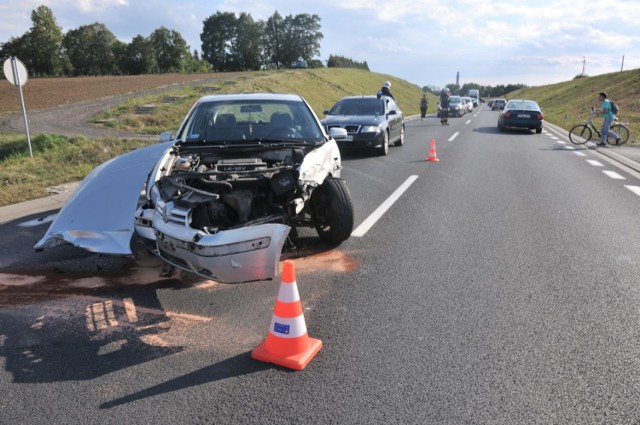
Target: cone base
<point x="296" y="362"/>
<point x="433" y="159"/>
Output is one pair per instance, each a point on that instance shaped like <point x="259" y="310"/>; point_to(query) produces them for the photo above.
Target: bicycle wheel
<point x="622" y="132"/>
<point x="580" y="134"/>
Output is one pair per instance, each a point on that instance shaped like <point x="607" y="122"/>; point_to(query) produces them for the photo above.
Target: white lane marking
<point x="569" y="148"/>
<point x="379" y="212"/>
<point x="613" y="175"/>
<point x="595" y="163"/>
<point x="468" y="121"/>
<point x="562" y="142"/>
<point x="634" y="189"/>
<point x="580" y="153"/>
<point x="454" y="136"/>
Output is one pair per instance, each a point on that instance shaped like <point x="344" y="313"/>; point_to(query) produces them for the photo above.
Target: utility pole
<point x="622" y="66"/>
<point x="584" y="63"/>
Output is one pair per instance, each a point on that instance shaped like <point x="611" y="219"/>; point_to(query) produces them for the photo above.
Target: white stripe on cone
<point x="288" y="328"/>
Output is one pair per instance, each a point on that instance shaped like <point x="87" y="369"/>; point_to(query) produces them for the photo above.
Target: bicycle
<point x="582" y="133"/>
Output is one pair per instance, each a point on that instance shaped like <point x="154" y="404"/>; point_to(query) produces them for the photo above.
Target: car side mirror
<point x="165" y="136"/>
<point x="326" y="112"/>
<point x="337" y="133"/>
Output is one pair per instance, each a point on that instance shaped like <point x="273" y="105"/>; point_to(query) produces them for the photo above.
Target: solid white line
<point x="454" y="136"/>
<point x="613" y="175"/>
<point x="379" y="212"/>
<point x="634" y="189"/>
<point x="595" y="163"/>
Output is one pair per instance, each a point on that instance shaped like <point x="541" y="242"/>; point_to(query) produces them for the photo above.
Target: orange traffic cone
<point x="432" y="152"/>
<point x="288" y="343"/>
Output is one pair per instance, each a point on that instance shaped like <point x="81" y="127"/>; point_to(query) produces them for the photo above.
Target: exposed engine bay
<point x="225" y="193"/>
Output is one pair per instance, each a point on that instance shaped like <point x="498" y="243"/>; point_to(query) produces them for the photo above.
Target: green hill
<point x="320" y="87"/>
<point x="566" y="104"/>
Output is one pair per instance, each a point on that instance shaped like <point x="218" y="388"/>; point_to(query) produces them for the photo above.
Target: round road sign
<point x="16" y="74"/>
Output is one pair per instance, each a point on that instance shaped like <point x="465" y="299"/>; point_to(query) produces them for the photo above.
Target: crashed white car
<point x="222" y="195"/>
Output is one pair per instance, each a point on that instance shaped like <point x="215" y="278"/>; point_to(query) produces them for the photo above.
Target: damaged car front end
<point x="241" y="172"/>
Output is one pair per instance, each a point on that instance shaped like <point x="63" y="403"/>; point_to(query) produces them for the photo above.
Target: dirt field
<point x="41" y="93"/>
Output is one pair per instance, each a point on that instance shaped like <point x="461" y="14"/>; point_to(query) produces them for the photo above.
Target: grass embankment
<point x="56" y="160"/>
<point x="320" y="87"/>
<point x="59" y="159"/>
<point x="567" y="104"/>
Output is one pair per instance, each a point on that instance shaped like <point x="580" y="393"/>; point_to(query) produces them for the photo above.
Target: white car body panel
<point x="99" y="216"/>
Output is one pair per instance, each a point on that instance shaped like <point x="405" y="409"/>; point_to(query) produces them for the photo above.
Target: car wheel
<point x="500" y="127"/>
<point x="400" y="141"/>
<point x="538" y="130"/>
<point x="384" y="149"/>
<point x="332" y="210"/>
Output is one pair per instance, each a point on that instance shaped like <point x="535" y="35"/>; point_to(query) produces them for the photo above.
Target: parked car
<point x="371" y="123"/>
<point x="221" y="195"/>
<point x="498" y="104"/>
<point x="521" y="114"/>
<point x="456" y="107"/>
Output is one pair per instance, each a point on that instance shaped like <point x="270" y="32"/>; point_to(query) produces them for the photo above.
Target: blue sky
<point x="425" y="42"/>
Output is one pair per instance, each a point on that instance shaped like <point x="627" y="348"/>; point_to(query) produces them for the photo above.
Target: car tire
<point x="538" y="130"/>
<point x="400" y="141"/>
<point x="384" y="149"/>
<point x="332" y="210"/>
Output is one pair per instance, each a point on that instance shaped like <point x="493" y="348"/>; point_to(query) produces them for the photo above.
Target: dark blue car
<point x="521" y="114"/>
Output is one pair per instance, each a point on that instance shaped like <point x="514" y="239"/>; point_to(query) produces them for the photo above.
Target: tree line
<point x="485" y="91"/>
<point x="230" y="42"/>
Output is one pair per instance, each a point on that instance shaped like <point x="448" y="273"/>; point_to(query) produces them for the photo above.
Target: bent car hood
<point x="99" y="216"/>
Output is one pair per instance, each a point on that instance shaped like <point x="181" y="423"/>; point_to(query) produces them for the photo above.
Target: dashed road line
<point x="595" y="163"/>
<point x="379" y="212"/>
<point x="614" y="175"/>
<point x="634" y="189"/>
<point x="454" y="136"/>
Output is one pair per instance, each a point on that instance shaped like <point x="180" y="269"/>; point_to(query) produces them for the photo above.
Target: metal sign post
<point x="16" y="73"/>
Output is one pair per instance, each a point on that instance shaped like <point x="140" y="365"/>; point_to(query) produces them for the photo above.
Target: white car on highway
<point x="221" y="195"/>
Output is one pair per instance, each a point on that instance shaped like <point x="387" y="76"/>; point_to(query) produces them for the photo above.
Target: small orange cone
<point x="288" y="344"/>
<point x="432" y="152"/>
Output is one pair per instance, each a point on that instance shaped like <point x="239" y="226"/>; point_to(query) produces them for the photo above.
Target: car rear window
<point x="523" y="105"/>
<point x="358" y="107"/>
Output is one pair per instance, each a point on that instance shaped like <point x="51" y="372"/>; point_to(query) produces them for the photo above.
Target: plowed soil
<point x="41" y="93"/>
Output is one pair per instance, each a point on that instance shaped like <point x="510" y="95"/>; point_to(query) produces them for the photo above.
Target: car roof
<point x="250" y="97"/>
<point x="360" y="97"/>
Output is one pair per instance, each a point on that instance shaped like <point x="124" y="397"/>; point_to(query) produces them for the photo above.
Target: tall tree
<point x="302" y="39"/>
<point x="274" y="40"/>
<point x="45" y="55"/>
<point x="139" y="57"/>
<point x="91" y="49"/>
<point x="170" y="49"/>
<point x="245" y="45"/>
<point x="217" y="33"/>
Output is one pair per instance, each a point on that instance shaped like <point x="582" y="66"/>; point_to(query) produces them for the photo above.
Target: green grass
<point x="320" y="87"/>
<point x="56" y="160"/>
<point x="567" y="104"/>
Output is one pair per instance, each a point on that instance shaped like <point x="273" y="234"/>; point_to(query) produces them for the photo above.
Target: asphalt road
<point x="501" y="287"/>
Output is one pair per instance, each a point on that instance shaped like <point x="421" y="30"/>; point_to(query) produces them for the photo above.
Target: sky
<point x="426" y="42"/>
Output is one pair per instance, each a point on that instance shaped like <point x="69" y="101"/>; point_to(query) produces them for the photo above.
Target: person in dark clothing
<point x="386" y="90"/>
<point x="424" y="104"/>
<point x="444" y="106"/>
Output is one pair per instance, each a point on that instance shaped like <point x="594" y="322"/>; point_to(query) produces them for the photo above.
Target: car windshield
<point x="364" y="106"/>
<point x="522" y="105"/>
<point x="454" y="99"/>
<point x="251" y="120"/>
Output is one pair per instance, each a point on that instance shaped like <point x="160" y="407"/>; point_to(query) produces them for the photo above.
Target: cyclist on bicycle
<point x="609" y="117"/>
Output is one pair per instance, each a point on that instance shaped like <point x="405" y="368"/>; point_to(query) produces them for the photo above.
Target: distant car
<point x="521" y="114"/>
<point x="371" y="123"/>
<point x="468" y="103"/>
<point x="498" y="104"/>
<point x="456" y="107"/>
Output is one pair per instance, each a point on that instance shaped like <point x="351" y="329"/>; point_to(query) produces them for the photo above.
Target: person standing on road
<point x="605" y="112"/>
<point x="385" y="90"/>
<point x="424" y="104"/>
<point x="444" y="106"/>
